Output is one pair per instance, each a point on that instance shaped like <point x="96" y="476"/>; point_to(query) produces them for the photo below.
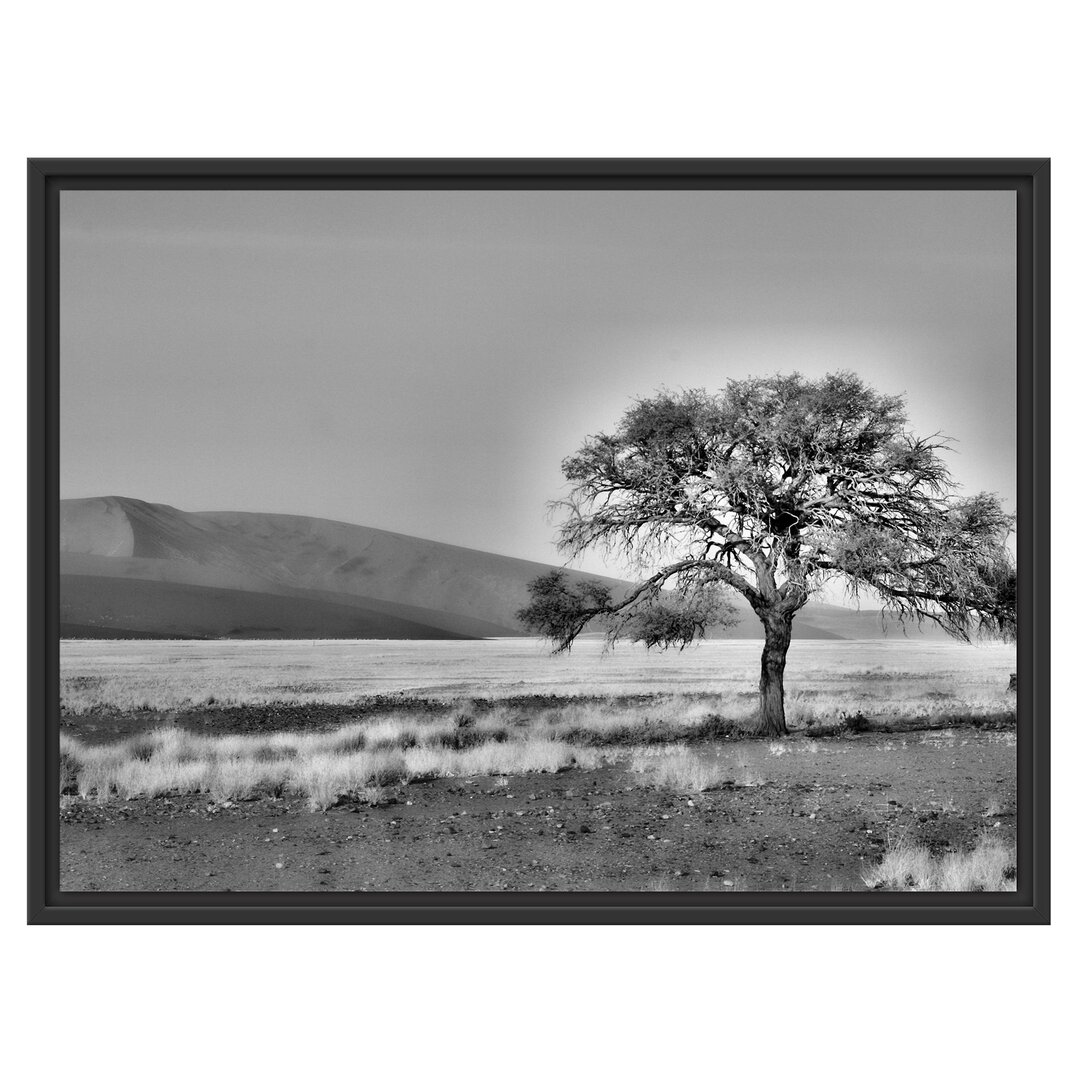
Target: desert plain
<point x="494" y="766"/>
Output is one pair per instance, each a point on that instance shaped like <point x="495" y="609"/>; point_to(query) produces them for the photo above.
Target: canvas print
<point x="532" y="541"/>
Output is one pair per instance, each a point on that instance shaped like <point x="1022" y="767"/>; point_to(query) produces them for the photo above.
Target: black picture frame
<point x="1028" y="177"/>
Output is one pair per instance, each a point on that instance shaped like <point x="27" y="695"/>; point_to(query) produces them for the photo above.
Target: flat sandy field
<point x="168" y="674"/>
<point x="644" y="781"/>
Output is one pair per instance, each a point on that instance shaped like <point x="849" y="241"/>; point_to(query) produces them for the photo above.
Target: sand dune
<point x="129" y="566"/>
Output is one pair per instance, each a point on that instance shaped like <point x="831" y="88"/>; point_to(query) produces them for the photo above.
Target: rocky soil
<point x="819" y="812"/>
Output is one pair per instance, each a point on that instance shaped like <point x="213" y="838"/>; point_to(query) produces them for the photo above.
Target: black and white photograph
<point x="537" y="535"/>
<point x="522" y="541"/>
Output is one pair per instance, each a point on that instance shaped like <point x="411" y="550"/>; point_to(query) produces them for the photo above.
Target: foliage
<point x="560" y="610"/>
<point x="771" y="488"/>
<point x="665" y="620"/>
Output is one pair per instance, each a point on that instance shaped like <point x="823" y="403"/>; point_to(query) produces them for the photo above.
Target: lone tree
<point x="771" y="488"/>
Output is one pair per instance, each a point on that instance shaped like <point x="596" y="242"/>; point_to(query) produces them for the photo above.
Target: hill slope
<point x="370" y="582"/>
<point x="135" y="568"/>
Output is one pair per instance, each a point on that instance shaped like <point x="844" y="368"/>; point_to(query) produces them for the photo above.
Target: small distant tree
<point x="767" y="490"/>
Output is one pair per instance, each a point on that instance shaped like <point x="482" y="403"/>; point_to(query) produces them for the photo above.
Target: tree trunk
<point x="773" y="660"/>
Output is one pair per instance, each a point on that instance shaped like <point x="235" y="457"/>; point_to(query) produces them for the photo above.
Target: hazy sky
<point x="422" y="361"/>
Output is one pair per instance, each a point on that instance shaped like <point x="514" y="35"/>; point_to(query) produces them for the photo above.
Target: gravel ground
<point x="821" y="812"/>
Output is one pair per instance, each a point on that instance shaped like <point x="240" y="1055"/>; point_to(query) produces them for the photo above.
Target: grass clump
<point x="350" y="764"/>
<point x="989" y="867"/>
<point x="714" y="727"/>
<point x="855" y="722"/>
<point x="491" y="759"/>
<point x="688" y="773"/>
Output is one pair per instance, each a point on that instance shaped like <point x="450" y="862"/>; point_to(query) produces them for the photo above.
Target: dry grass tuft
<point x="353" y="763"/>
<point x="989" y="867"/>
<point x="686" y="772"/>
<point x="492" y="759"/>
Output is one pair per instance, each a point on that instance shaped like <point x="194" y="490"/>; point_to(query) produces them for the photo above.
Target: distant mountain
<point x="134" y="569"/>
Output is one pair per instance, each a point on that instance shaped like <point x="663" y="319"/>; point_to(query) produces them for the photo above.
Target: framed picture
<point x="539" y="541"/>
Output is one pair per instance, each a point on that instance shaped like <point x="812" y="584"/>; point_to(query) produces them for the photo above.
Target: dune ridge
<point x="139" y="568"/>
